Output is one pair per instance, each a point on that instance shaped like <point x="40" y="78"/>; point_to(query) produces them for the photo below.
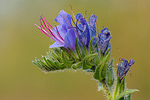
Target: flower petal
<point x="70" y="39"/>
<point x="92" y="25"/>
<point x="56" y="44"/>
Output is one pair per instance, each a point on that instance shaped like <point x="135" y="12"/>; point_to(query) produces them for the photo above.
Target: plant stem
<point x="107" y="91"/>
<point x="116" y="89"/>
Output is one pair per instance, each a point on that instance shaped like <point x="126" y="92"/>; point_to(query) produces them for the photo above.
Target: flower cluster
<point x="79" y="45"/>
<point x="69" y="30"/>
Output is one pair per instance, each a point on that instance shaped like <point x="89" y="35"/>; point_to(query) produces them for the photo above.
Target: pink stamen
<point x="44" y="28"/>
<point x="43" y="31"/>
<point x="51" y="33"/>
<point x="49" y="29"/>
<point x="46" y="25"/>
<point x="46" y="21"/>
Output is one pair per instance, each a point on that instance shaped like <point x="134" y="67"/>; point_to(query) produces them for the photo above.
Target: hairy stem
<point x="107" y="91"/>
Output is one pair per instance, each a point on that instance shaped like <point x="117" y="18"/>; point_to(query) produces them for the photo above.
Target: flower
<point x="104" y="40"/>
<point x="124" y="67"/>
<point x="63" y="34"/>
<point x="92" y="25"/>
<point x="85" y="30"/>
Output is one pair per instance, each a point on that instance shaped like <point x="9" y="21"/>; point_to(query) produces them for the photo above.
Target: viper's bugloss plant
<point x="79" y="45"/>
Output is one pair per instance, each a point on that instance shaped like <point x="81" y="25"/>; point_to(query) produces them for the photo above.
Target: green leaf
<point x="122" y="86"/>
<point x="72" y="54"/>
<point x="110" y="76"/>
<point x="106" y="53"/>
<point x="96" y="74"/>
<point x="127" y="97"/>
<point x="53" y="55"/>
<point x="60" y="65"/>
<point x="77" y="65"/>
<point x="67" y="62"/>
<point x="47" y="63"/>
<point x="116" y="87"/>
<point x="103" y="68"/>
<point x="91" y="45"/>
<point x="54" y="67"/>
<point x="77" y="49"/>
<point x="126" y="92"/>
<point x="86" y="61"/>
<point x="36" y="63"/>
<point x="43" y="65"/>
<point x="85" y="49"/>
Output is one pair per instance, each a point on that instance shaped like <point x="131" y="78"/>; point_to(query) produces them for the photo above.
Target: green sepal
<point x="116" y="88"/>
<point x="96" y="74"/>
<point x="54" y="67"/>
<point x="77" y="49"/>
<point x="127" y="97"/>
<point x="122" y="87"/>
<point x="85" y="49"/>
<point x="100" y="71"/>
<point x="110" y="74"/>
<point x="86" y="61"/>
<point x="66" y="60"/>
<point x="126" y="92"/>
<point x="91" y="46"/>
<point x="37" y="64"/>
<point x="53" y="55"/>
<point x="103" y="68"/>
<point x="77" y="65"/>
<point x="60" y="65"/>
<point x="72" y="54"/>
<point x="108" y="51"/>
<point x="44" y="66"/>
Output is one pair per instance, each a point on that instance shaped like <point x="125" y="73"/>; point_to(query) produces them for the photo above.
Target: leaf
<point x="122" y="86"/>
<point x="96" y="74"/>
<point x="72" y="54"/>
<point x="54" y="67"/>
<point x="76" y="65"/>
<point x="85" y="49"/>
<point x="67" y="62"/>
<point x="86" y="64"/>
<point x="108" y="50"/>
<point x="126" y="92"/>
<point x="77" y="49"/>
<point x="127" y="97"/>
<point x="110" y="76"/>
<point x="36" y="63"/>
<point x="103" y="68"/>
<point x="91" y="45"/>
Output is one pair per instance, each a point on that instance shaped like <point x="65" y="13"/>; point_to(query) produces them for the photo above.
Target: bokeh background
<point x="21" y="42"/>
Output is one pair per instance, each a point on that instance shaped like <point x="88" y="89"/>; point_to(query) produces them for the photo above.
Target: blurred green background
<point x="21" y="42"/>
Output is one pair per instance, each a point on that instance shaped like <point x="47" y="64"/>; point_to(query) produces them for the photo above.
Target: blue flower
<point x="104" y="40"/>
<point x="92" y="25"/>
<point x="124" y="67"/>
<point x="82" y="30"/>
<point x="63" y="34"/>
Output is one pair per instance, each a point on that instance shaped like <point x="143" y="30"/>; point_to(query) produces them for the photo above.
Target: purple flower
<point x="63" y="34"/>
<point x="92" y="25"/>
<point x="82" y="30"/>
<point x="124" y="67"/>
<point x="104" y="40"/>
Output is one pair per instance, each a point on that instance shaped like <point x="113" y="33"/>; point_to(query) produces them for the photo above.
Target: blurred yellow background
<point x="21" y="42"/>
